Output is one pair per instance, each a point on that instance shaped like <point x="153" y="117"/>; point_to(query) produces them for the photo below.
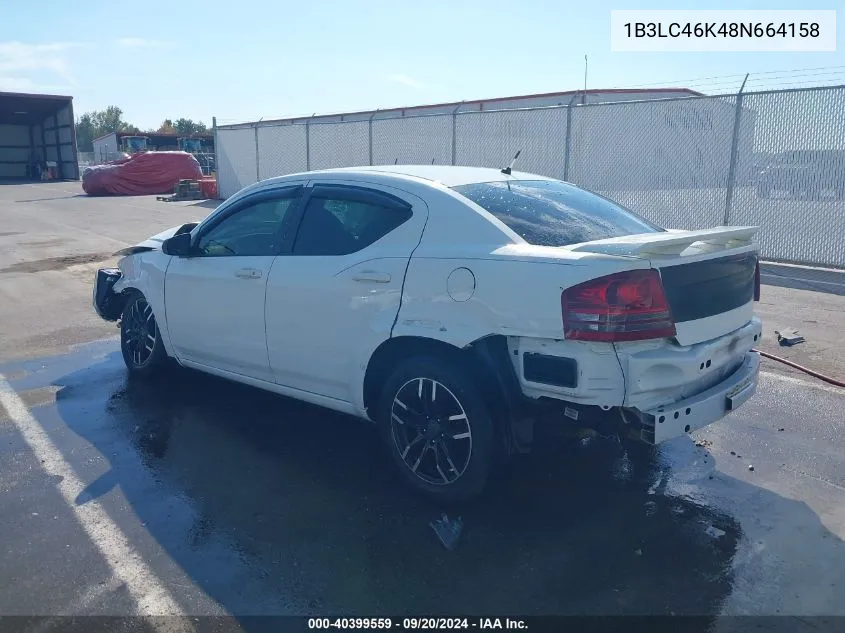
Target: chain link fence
<point x="773" y="159"/>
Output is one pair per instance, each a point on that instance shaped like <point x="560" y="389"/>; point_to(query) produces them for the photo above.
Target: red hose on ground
<point x="812" y="373"/>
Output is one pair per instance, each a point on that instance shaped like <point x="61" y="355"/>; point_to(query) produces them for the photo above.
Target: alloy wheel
<point x="431" y="431"/>
<point x="139" y="332"/>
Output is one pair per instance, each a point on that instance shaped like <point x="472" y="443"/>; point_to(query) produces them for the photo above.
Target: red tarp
<point x="142" y="174"/>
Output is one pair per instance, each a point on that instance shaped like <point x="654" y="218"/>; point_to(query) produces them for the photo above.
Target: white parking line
<point x="804" y="280"/>
<point x="126" y="564"/>
<point x="78" y="608"/>
<point x="821" y="386"/>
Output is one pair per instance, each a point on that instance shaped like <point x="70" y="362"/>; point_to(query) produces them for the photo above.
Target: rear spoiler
<point x="670" y="242"/>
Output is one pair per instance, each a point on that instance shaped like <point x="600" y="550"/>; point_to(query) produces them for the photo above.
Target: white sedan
<point x="450" y="306"/>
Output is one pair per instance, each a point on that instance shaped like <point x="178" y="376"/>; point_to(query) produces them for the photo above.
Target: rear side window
<point x="340" y="221"/>
<point x="554" y="213"/>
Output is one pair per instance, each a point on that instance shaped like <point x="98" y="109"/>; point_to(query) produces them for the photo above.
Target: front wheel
<point x="140" y="339"/>
<point x="437" y="428"/>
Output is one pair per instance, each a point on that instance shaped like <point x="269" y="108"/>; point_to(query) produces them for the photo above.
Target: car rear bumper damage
<point x="651" y="390"/>
<point x="660" y="373"/>
<point x="684" y="416"/>
<point x="106" y="302"/>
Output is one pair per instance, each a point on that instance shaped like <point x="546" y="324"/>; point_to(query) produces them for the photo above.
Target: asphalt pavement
<point x="190" y="495"/>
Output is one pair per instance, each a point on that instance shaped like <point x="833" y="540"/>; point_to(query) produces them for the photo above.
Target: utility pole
<point x="585" y="73"/>
<point x="584" y="99"/>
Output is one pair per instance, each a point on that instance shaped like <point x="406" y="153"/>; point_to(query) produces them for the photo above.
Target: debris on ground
<point x="780" y="430"/>
<point x="447" y="530"/>
<point x="750" y="467"/>
<point x="650" y="508"/>
<point x="638" y="552"/>
<point x="732" y="453"/>
<point x="185" y="190"/>
<point x="703" y="443"/>
<point x="789" y="336"/>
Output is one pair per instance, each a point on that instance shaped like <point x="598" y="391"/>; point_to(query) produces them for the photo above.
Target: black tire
<point x="137" y="328"/>
<point x="451" y="465"/>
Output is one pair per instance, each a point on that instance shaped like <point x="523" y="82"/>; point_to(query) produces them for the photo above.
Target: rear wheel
<point x="140" y="339"/>
<point x="437" y="428"/>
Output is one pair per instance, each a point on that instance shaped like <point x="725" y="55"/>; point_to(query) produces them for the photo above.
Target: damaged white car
<point x="452" y="306"/>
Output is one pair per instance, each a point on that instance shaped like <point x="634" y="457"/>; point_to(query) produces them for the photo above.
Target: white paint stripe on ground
<point x="77" y="608"/>
<point x="801" y="279"/>
<point x="150" y="595"/>
<point x="821" y="386"/>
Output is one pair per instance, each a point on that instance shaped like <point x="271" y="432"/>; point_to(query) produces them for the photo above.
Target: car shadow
<point x="272" y="506"/>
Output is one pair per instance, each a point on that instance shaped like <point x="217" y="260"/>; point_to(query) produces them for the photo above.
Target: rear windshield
<point x="554" y="213"/>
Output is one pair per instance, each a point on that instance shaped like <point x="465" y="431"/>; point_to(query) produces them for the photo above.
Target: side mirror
<point x="178" y="245"/>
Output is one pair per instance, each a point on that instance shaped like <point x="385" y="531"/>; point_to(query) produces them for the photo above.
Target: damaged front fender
<point x="107" y="303"/>
<point x="154" y="243"/>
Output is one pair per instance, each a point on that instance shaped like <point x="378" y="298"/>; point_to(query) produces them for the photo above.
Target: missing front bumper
<point x="107" y="303"/>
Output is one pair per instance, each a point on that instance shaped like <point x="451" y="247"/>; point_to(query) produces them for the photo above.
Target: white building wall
<point x="105" y="147"/>
<point x="482" y="105"/>
<point x="636" y="145"/>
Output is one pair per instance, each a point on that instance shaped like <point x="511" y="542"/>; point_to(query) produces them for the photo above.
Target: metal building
<point x="109" y="146"/>
<point x="569" y="97"/>
<point x="488" y="132"/>
<point x="37" y="135"/>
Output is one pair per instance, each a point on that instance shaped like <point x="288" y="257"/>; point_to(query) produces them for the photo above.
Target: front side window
<point x="334" y="224"/>
<point x="554" y="213"/>
<point x="254" y="230"/>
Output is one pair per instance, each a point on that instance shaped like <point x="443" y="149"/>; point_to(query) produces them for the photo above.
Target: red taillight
<point x="757" y="282"/>
<point x="628" y="306"/>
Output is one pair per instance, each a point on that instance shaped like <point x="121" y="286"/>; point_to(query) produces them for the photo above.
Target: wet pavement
<point x="246" y="503"/>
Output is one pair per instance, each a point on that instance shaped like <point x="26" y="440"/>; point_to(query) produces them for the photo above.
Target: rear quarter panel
<point x="459" y="295"/>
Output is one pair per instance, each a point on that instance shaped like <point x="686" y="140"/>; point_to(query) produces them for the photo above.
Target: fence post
<point x="729" y="193"/>
<point x="257" y="165"/>
<point x="568" y="144"/>
<point x="307" y="146"/>
<point x="455" y="134"/>
<point x="216" y="156"/>
<point x="371" y="137"/>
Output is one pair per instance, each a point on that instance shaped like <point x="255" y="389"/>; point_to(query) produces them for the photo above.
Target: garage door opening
<point x="37" y="138"/>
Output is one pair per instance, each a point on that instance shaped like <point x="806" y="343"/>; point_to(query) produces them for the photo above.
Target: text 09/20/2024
<point x="417" y="624"/>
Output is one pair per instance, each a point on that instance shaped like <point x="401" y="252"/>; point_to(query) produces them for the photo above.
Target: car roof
<point x="447" y="175"/>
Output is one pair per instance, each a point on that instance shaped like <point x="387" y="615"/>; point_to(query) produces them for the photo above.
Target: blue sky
<point x="273" y="58"/>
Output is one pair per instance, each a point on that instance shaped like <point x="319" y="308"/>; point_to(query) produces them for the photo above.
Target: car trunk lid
<point x="708" y="275"/>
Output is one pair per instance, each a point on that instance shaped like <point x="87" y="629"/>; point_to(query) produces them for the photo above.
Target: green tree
<point x="110" y="120"/>
<point x="166" y="127"/>
<point x="189" y="126"/>
<point x="94" y="124"/>
<point x="97" y="123"/>
<point x="85" y="133"/>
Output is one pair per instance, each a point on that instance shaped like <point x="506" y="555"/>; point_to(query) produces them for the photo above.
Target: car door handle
<point x="248" y="273"/>
<point x="372" y="276"/>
